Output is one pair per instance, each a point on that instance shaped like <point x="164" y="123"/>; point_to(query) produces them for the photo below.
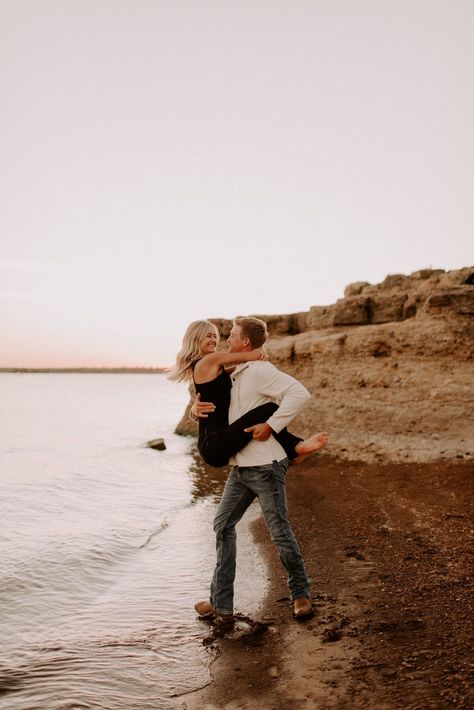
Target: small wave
<point x="174" y="512"/>
<point x="11" y="679"/>
<point x="131" y="671"/>
<point x="153" y="534"/>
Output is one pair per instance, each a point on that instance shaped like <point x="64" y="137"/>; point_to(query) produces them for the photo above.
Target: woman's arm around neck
<point x="209" y="366"/>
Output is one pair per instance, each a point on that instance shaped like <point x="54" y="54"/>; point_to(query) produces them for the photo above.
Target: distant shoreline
<point x="88" y="370"/>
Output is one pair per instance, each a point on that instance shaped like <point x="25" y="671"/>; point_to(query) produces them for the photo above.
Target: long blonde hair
<point x="190" y="351"/>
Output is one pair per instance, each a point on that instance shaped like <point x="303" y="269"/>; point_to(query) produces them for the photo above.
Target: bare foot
<point x="310" y="446"/>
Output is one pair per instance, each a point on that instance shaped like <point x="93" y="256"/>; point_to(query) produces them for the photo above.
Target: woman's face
<point x="210" y="341"/>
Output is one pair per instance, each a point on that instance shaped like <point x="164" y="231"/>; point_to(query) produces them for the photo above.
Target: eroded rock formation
<point x="390" y="367"/>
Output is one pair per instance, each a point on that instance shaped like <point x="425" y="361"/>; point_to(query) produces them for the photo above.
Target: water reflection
<point x="207" y="482"/>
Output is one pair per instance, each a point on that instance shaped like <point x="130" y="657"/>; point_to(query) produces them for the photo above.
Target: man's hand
<point x="261" y="432"/>
<point x="201" y="410"/>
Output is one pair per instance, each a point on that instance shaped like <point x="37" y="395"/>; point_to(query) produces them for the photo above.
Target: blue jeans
<point x="245" y="483"/>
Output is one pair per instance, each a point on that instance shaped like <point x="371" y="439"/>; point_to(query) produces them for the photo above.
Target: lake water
<point x="105" y="545"/>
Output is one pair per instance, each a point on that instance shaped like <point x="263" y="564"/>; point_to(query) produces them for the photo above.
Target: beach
<point x="384" y="518"/>
<point x="388" y="548"/>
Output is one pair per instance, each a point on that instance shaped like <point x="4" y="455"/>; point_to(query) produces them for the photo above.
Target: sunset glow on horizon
<point x="170" y="161"/>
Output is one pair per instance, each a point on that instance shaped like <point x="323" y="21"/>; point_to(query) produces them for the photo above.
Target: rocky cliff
<point x="390" y="367"/>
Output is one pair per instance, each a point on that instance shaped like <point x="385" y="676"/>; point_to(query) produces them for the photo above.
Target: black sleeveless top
<point x="216" y="391"/>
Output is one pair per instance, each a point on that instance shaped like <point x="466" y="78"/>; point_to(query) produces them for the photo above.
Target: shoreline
<point x="84" y="370"/>
<point x="387" y="547"/>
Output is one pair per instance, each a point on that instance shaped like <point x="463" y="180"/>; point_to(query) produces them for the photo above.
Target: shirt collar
<point x="240" y="368"/>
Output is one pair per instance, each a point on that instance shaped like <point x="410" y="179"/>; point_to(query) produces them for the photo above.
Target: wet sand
<point x="389" y="549"/>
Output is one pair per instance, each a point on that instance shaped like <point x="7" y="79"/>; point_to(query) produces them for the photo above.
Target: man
<point x="258" y="471"/>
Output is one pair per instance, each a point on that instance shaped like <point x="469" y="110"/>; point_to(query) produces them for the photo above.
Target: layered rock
<point x="390" y="367"/>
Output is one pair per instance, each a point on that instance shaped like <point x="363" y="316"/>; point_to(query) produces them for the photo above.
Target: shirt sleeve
<point x="288" y="393"/>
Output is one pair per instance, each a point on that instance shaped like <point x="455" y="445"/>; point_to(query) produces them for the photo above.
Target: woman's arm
<point x="210" y="365"/>
<point x="223" y="358"/>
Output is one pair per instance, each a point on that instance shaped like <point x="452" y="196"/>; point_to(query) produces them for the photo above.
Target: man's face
<point x="237" y="343"/>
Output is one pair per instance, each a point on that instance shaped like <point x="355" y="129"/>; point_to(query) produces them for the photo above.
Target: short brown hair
<point x="254" y="329"/>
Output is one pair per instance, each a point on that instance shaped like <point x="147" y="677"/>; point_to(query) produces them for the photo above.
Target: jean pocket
<point x="279" y="471"/>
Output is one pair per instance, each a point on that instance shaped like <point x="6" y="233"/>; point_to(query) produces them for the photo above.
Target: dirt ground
<point x="389" y="550"/>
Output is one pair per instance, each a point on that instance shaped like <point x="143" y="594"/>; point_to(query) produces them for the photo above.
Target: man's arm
<point x="290" y="394"/>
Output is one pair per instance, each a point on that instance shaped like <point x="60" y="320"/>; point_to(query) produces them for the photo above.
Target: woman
<point x="199" y="360"/>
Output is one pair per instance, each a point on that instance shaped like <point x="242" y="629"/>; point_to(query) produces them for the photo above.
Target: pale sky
<point x="170" y="160"/>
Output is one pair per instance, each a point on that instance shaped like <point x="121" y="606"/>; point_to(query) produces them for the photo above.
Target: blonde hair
<point x="190" y="351"/>
<point x="252" y="328"/>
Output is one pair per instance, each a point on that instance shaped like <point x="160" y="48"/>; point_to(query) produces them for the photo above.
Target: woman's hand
<point x="258" y="354"/>
<point x="201" y="410"/>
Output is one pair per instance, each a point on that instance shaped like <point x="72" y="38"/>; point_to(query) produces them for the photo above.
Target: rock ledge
<point x="390" y="367"/>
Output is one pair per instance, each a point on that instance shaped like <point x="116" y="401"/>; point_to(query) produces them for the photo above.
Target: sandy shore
<point x="389" y="550"/>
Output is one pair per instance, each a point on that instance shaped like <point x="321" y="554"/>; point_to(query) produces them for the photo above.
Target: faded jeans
<point x="245" y="483"/>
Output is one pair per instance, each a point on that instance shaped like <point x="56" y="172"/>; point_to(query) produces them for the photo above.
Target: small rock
<point x="158" y="444"/>
<point x="331" y="635"/>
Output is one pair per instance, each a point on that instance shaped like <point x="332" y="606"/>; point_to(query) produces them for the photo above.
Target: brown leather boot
<point x="205" y="610"/>
<point x="302" y="608"/>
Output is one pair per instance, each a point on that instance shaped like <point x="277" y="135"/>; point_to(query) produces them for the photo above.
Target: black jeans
<point x="219" y="441"/>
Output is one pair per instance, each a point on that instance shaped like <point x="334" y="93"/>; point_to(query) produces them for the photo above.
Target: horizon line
<point x="119" y="368"/>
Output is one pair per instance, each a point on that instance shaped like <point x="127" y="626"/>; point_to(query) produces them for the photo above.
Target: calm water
<point x="104" y="545"/>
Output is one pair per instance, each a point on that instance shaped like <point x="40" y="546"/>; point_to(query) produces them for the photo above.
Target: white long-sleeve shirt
<point x="255" y="383"/>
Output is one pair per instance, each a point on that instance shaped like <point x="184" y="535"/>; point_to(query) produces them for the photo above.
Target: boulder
<point x="187" y="426"/>
<point x="395" y="281"/>
<point x="354" y="310"/>
<point x="423" y="274"/>
<point x="288" y="324"/>
<point x="320" y="317"/>
<point x="281" y="325"/>
<point x="223" y="325"/>
<point x="460" y="277"/>
<point x="459" y="299"/>
<point x="387" y="307"/>
<point x="355" y="289"/>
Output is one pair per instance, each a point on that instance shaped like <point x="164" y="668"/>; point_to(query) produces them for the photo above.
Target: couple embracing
<point x="243" y="405"/>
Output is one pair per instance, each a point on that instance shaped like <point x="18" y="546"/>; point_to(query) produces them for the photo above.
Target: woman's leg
<point x="217" y="445"/>
<point x="288" y="441"/>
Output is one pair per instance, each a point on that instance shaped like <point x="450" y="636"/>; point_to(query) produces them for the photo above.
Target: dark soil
<point x="390" y="551"/>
